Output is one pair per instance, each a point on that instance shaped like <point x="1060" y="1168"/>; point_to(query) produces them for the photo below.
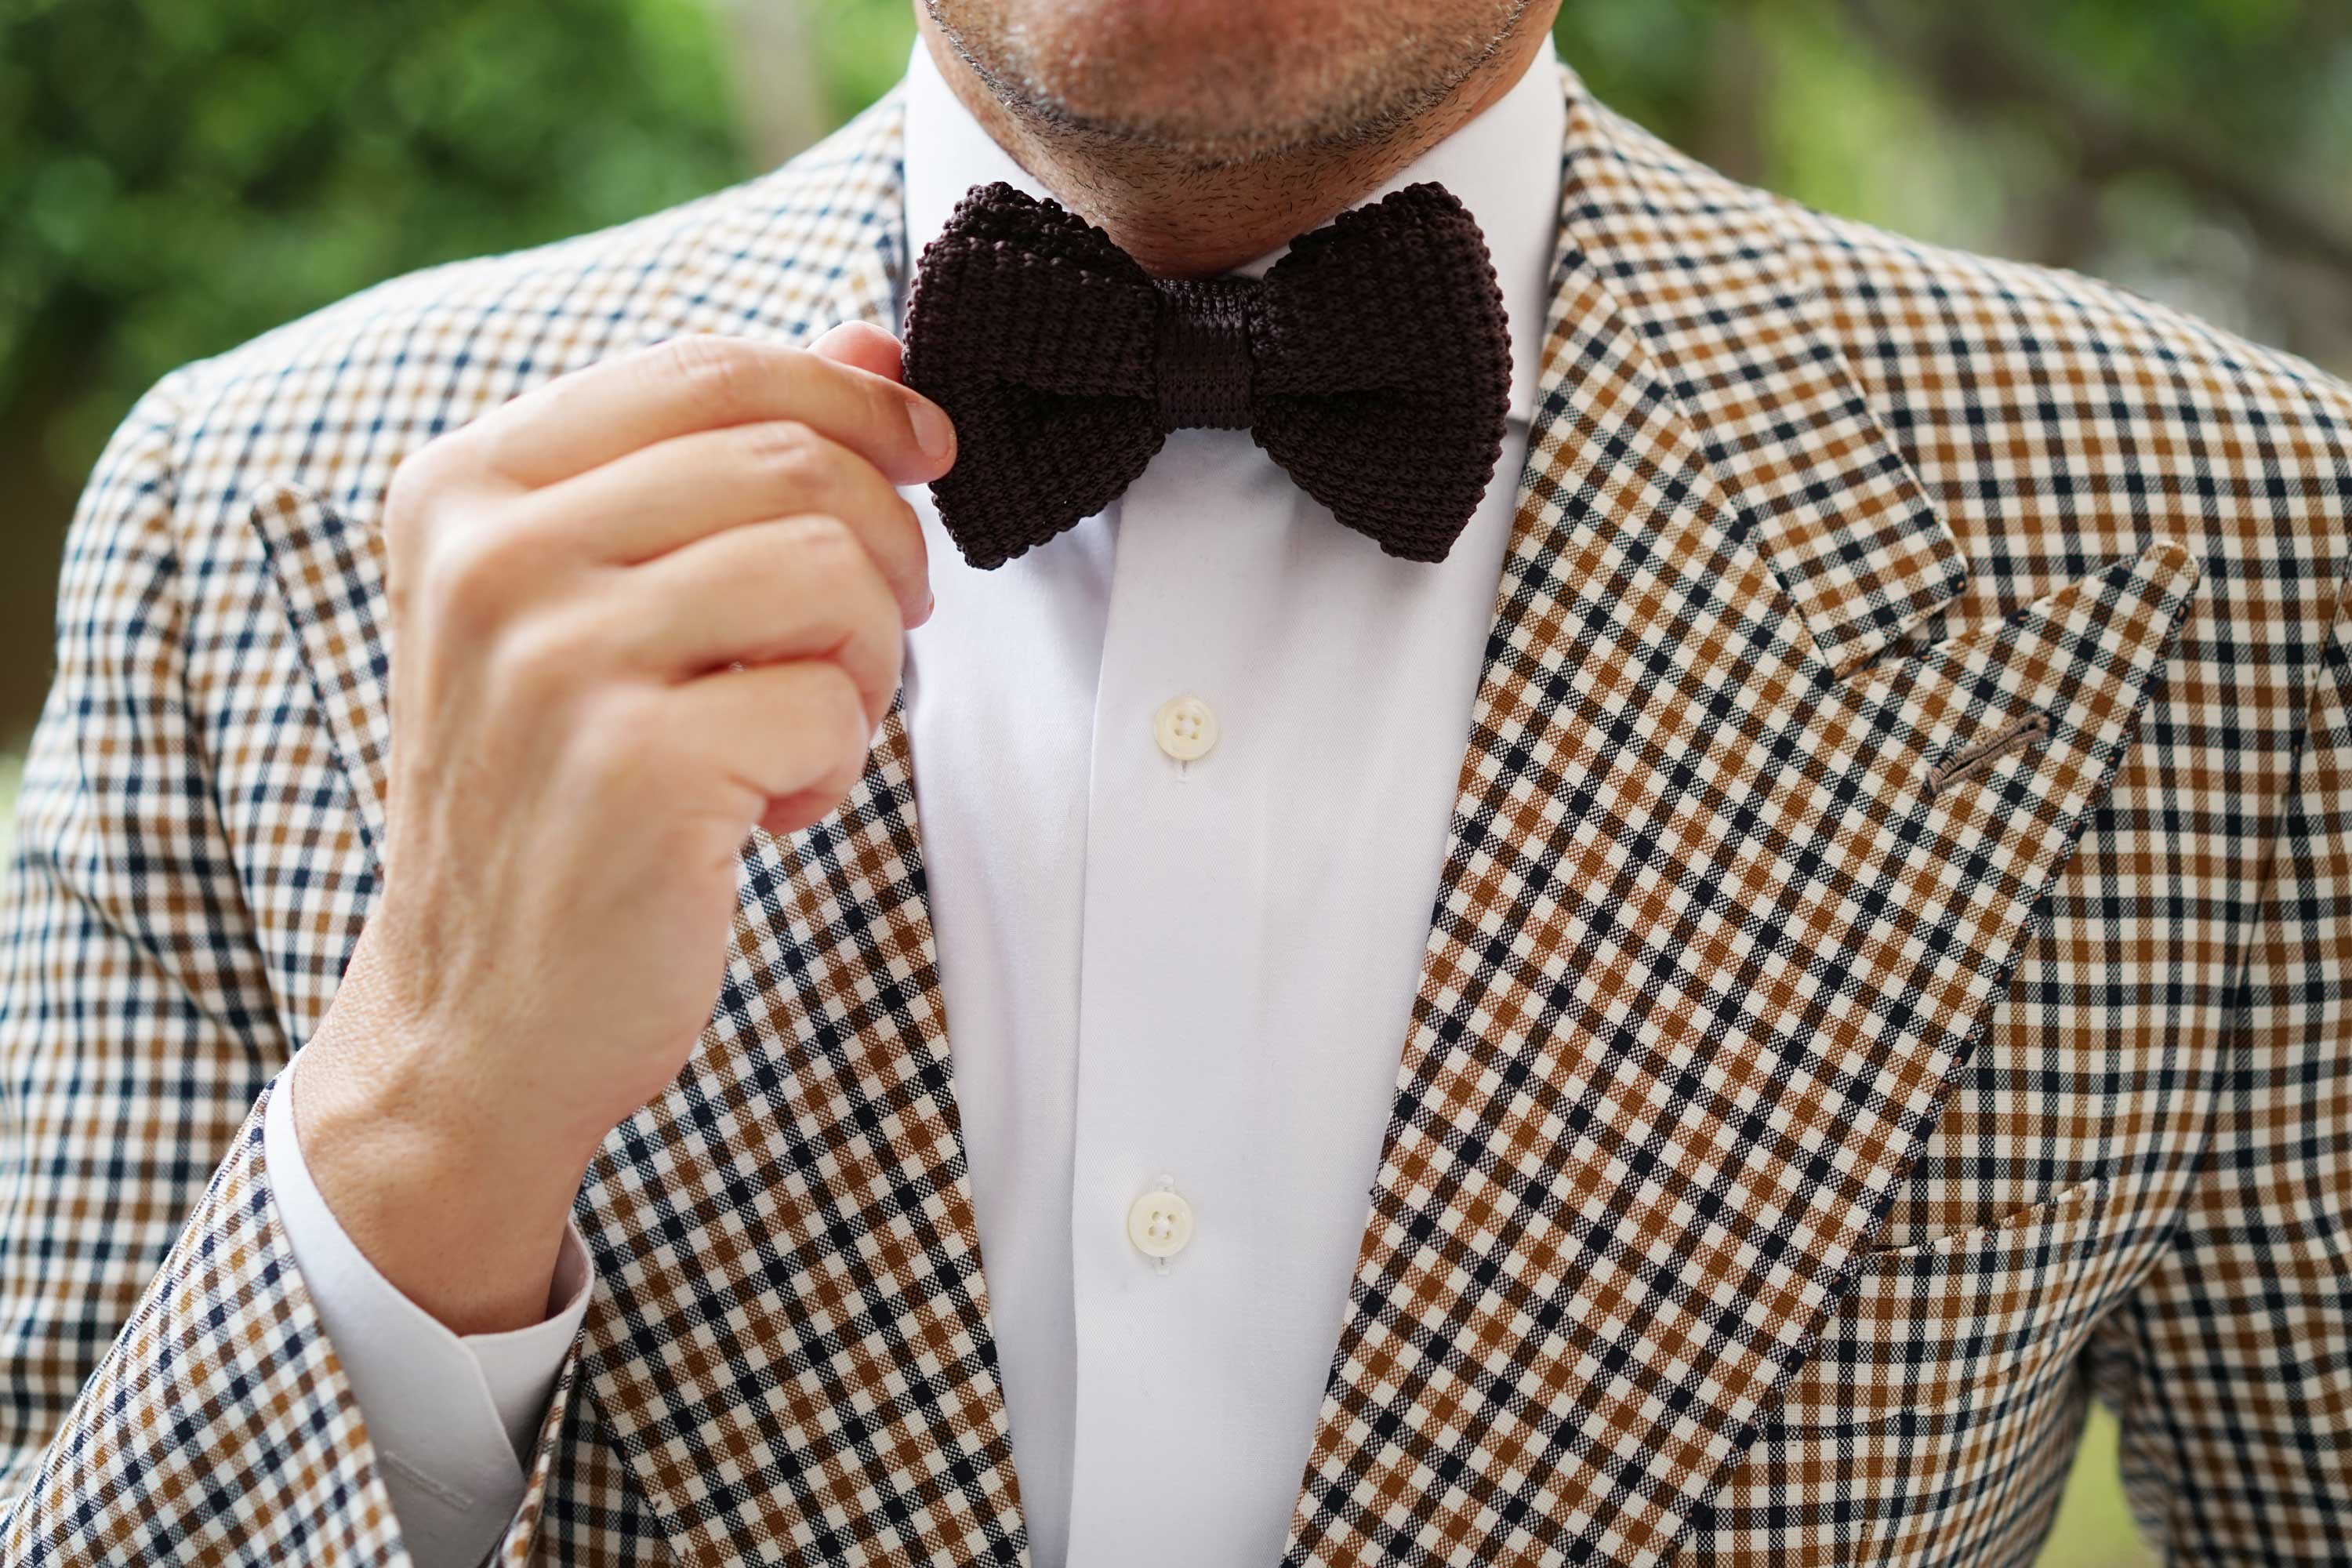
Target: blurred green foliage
<point x="178" y="176"/>
<point x="861" y="48"/>
<point x="2094" y="1528"/>
<point x="181" y="174"/>
<point x="2196" y="150"/>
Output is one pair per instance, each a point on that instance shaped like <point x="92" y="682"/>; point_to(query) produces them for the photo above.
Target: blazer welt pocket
<point x="1950" y="1327"/>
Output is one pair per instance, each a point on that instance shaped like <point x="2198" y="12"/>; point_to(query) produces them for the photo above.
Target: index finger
<point x="588" y="417"/>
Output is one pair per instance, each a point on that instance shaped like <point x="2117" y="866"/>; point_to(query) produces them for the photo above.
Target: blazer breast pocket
<point x="1959" y="1324"/>
<point x="1931" y="1427"/>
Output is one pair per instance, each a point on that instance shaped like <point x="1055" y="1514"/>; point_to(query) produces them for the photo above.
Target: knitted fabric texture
<point x="1372" y="363"/>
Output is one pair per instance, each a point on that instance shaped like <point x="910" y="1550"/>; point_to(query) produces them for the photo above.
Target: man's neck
<point x="1180" y="219"/>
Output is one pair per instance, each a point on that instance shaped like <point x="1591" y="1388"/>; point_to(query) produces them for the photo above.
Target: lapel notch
<point x="1700" y="265"/>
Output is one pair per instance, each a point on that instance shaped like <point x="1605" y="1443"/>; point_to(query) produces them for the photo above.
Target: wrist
<point x="443" y="1181"/>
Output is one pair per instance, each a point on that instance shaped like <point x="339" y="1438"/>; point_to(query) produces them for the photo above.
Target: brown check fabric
<point x="1888" y="985"/>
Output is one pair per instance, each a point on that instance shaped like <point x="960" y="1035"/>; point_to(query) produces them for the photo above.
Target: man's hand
<point x="633" y="613"/>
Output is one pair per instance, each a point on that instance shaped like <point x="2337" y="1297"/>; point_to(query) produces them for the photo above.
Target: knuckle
<point x="474" y="575"/>
<point x="888" y="660"/>
<point x="715" y="373"/>
<point x="892" y="637"/>
<point x="791" y="460"/>
<point x="837" y="562"/>
<point x="453" y="582"/>
<point x="910" y="528"/>
<point x="824" y="554"/>
<point x="844" y="708"/>
<point x="910" y="556"/>
<point x="505" y="445"/>
<point x="416" y="487"/>
<point x="609" y="751"/>
<point x="821" y="536"/>
<point x="884" y="410"/>
<point x="839" y="780"/>
<point x="885" y="417"/>
<point x="840" y="724"/>
<point x="540" y="656"/>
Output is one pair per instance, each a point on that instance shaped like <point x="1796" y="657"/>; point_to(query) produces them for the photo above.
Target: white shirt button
<point x="1159" y="1223"/>
<point x="1185" y="728"/>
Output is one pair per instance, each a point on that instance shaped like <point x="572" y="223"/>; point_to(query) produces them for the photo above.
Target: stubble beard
<point x="1332" y="97"/>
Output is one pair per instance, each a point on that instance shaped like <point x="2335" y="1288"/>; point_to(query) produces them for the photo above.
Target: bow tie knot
<point x="1371" y="363"/>
<point x="1205" y="368"/>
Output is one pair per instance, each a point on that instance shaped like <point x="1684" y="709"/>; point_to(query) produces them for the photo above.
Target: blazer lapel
<point x="790" y="1342"/>
<point x="1727" y="904"/>
<point x="797" y="1350"/>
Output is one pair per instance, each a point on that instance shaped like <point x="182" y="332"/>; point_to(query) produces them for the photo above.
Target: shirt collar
<point x="1504" y="166"/>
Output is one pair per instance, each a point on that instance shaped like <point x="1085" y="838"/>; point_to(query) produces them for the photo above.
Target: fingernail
<point x="934" y="432"/>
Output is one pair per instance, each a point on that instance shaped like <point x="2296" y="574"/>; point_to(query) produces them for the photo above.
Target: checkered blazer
<point x="1889" y="982"/>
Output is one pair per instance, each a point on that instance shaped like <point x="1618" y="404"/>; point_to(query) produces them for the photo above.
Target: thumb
<point x="861" y="345"/>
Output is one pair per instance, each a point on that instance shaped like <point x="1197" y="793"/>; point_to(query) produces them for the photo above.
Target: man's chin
<point x="1215" y="82"/>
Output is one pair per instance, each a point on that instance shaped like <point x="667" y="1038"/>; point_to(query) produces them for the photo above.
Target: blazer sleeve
<point x="2235" y="1391"/>
<point x="166" y="1392"/>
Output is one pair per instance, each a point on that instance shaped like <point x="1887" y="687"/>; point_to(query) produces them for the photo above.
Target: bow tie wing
<point x="1383" y="365"/>
<point x="1038" y="337"/>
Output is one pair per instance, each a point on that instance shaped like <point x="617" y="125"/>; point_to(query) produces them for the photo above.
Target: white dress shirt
<point x="1179" y="943"/>
<point x="452" y="1418"/>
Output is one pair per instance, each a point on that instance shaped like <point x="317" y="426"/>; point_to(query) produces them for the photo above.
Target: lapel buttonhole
<point x="1967" y="763"/>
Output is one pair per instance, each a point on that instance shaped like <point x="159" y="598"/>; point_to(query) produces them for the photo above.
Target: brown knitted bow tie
<point x="1372" y="362"/>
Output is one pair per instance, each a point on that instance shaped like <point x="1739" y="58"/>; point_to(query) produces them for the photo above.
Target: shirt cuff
<point x="452" y="1417"/>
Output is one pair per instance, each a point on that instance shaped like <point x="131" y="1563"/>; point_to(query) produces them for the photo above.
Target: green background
<point x="177" y="175"/>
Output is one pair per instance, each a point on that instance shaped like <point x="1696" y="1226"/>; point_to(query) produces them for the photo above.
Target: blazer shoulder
<point x="2053" y="417"/>
<point x="1929" y="329"/>
<point x="2053" y="422"/>
<point x="333" y="401"/>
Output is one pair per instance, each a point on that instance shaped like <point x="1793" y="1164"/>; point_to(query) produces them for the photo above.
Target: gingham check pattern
<point x="1804" y="1107"/>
